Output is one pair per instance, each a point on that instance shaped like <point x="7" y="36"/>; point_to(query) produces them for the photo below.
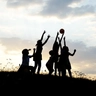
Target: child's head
<point x="39" y="42"/>
<point x="25" y="51"/>
<point x="51" y="52"/>
<point x="66" y="48"/>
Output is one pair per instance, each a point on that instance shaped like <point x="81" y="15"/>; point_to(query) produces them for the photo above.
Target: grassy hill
<point x="16" y="83"/>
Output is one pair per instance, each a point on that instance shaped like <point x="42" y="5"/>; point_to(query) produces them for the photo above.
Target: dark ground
<point x="13" y="83"/>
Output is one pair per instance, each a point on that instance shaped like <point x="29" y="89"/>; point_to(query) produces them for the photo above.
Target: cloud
<point x="57" y="8"/>
<point x="22" y="3"/>
<point x="84" y="59"/>
<point x="84" y="53"/>
<point x="89" y="69"/>
<point x="61" y="9"/>
<point x="15" y="44"/>
<point x="83" y="10"/>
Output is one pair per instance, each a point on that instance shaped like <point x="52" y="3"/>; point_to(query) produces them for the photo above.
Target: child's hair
<point x="51" y="52"/>
<point x="38" y="42"/>
<point x="66" y="48"/>
<point x="25" y="51"/>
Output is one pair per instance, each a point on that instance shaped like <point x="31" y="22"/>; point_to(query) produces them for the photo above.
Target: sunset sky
<point x="22" y="23"/>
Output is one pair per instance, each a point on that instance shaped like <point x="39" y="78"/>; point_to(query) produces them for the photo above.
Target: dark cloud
<point x="57" y="8"/>
<point x="85" y="57"/>
<point x="61" y="9"/>
<point x="84" y="53"/>
<point x="22" y="3"/>
<point x="15" y="44"/>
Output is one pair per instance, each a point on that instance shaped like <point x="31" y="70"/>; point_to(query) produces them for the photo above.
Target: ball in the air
<point x="62" y="31"/>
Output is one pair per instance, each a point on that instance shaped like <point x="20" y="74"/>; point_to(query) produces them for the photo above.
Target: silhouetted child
<point x="55" y="51"/>
<point x="25" y="62"/>
<point x="49" y="63"/>
<point x="64" y="59"/>
<point x="38" y="53"/>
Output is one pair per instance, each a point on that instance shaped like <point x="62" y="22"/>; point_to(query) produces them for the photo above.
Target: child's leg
<point x="50" y="68"/>
<point x="35" y="67"/>
<point x="64" y="72"/>
<point x="39" y="67"/>
<point x="55" y="67"/>
<point x="69" y="71"/>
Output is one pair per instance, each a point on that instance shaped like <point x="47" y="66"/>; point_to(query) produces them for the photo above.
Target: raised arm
<point x="60" y="43"/>
<point x="55" y="42"/>
<point x="64" y="42"/>
<point x="61" y="37"/>
<point x="43" y="35"/>
<point x="46" y="40"/>
<point x="56" y="37"/>
<point x="72" y="54"/>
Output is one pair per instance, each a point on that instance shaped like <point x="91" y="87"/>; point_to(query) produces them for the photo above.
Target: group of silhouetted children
<point x="57" y="62"/>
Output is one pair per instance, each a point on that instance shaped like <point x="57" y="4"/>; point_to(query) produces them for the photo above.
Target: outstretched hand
<point x="29" y="49"/>
<point x="57" y="33"/>
<point x="74" y="50"/>
<point x="48" y="36"/>
<point x="44" y="32"/>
